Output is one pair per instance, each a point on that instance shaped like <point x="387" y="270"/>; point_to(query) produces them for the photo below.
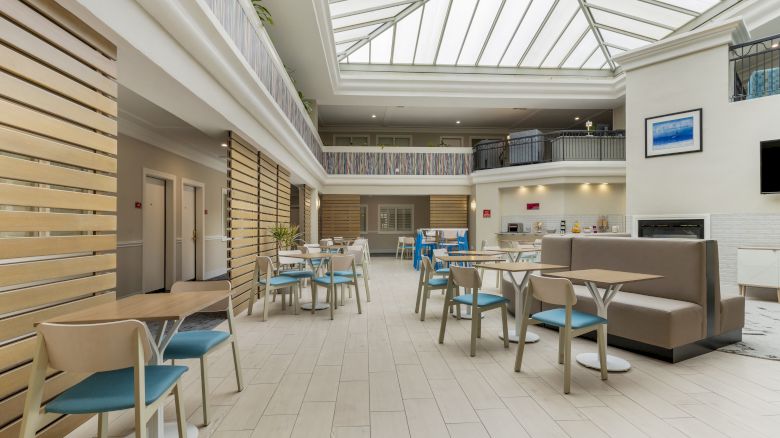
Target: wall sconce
<point x="318" y="202"/>
<point x="473" y="205"/>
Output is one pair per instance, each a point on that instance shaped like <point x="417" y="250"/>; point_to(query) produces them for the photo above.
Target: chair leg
<point x="181" y="420"/>
<point x="140" y="421"/>
<point x="567" y="361"/>
<point x="561" y="341"/>
<point x="357" y="297"/>
<point x="505" y="326"/>
<point x="252" y="299"/>
<point x="521" y="336"/>
<point x="103" y="425"/>
<point x="313" y="297"/>
<point x="602" y="337"/>
<point x="444" y="316"/>
<point x="419" y="291"/>
<point x="365" y="284"/>
<point x="265" y="303"/>
<point x="479" y="326"/>
<point x="423" y="301"/>
<point x="332" y="294"/>
<point x="237" y="364"/>
<point x="296" y="298"/>
<point x="204" y="387"/>
<point x="474" y="331"/>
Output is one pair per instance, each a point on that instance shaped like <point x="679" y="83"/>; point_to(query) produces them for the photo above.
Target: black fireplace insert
<point x="671" y="228"/>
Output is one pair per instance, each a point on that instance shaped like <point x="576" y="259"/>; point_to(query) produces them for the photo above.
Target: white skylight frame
<point x="505" y="34"/>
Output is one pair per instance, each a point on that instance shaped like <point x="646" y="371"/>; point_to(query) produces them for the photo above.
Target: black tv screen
<point x="770" y="166"/>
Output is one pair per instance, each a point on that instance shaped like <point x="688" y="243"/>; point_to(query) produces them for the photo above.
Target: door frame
<point x="200" y="224"/>
<point x="170" y="223"/>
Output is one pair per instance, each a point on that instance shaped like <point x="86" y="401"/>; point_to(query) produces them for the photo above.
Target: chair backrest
<point x="483" y="244"/>
<point x="467" y="277"/>
<point x="326" y="242"/>
<point x="263" y="265"/>
<point x="408" y="240"/>
<point x="401" y="239"/>
<point x="341" y="262"/>
<point x="427" y="267"/>
<point x="311" y="245"/>
<point x="557" y="291"/>
<point x="356" y="252"/>
<point x="201" y="286"/>
<point x="439" y="252"/>
<point x="289" y="260"/>
<point x="91" y="348"/>
<point x="312" y="250"/>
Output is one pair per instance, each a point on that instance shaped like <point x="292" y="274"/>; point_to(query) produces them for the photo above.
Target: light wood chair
<point x="571" y="323"/>
<point x="361" y="261"/>
<point x="293" y="267"/>
<point x="117" y="353"/>
<point x="268" y="283"/>
<point x="362" y="241"/>
<point x="428" y="282"/>
<point x="444" y="270"/>
<point x="197" y="344"/>
<point x="469" y="278"/>
<point x="338" y="263"/>
<point x="407" y="244"/>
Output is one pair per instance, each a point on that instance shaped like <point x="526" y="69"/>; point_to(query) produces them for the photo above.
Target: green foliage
<point x="286" y="236"/>
<point x="262" y="12"/>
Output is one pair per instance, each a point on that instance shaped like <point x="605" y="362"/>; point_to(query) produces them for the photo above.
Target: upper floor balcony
<point x="755" y="68"/>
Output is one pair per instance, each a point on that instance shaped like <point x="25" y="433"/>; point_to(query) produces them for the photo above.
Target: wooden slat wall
<point x="306" y="222"/>
<point x="243" y="211"/>
<point x="57" y="188"/>
<point x="449" y="211"/>
<point x="283" y="190"/>
<point x="340" y="216"/>
<point x="269" y="199"/>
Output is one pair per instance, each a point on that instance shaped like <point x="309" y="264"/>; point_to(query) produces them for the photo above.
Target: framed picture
<point x="670" y="134"/>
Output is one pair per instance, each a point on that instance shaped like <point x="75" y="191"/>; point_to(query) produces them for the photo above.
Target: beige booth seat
<point x="674" y="317"/>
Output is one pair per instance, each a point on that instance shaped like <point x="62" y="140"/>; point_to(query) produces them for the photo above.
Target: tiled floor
<point x="383" y="374"/>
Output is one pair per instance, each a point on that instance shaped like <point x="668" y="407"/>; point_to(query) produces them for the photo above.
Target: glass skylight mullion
<point x="626" y="23"/>
<point x="432" y="26"/>
<point x="549" y="37"/>
<point x="371" y="9"/>
<point x="538" y="31"/>
<point x="532" y="20"/>
<point x="593" y="52"/>
<point x="626" y="33"/>
<point x="630" y="17"/>
<point x="459" y="21"/>
<point x="597" y="59"/>
<point x="406" y="31"/>
<point x="645" y="10"/>
<point x="596" y="32"/>
<point x="504" y="31"/>
<point x="574" y="46"/>
<point x="567" y="41"/>
<point x="443" y="29"/>
<point x="671" y="7"/>
<point x="468" y="29"/>
<point x="419" y="30"/>
<point x="490" y="32"/>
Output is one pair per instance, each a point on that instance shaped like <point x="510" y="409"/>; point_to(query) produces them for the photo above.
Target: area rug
<point x="761" y="335"/>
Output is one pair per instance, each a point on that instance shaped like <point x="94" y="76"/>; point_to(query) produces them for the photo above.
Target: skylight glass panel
<point x="352" y="34"/>
<point x="381" y="47"/>
<point x="503" y="31"/>
<point x="567" y="41"/>
<point x="406" y="37"/>
<point x="366" y="17"/>
<point x="556" y="24"/>
<point x="360" y="55"/>
<point x="531" y="24"/>
<point x="614" y="51"/>
<point x="692" y="5"/>
<point x="433" y="20"/>
<point x="483" y="20"/>
<point x="636" y="8"/>
<point x="582" y="52"/>
<point x="621" y="40"/>
<point x="455" y="30"/>
<point x="596" y="60"/>
<point x="348" y="7"/>
<point x="340" y="48"/>
<point x="620" y="22"/>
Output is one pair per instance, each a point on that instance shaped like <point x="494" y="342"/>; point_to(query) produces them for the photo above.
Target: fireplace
<point x="671" y="228"/>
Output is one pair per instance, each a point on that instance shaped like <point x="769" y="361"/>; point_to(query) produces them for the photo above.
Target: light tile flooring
<point x="383" y="374"/>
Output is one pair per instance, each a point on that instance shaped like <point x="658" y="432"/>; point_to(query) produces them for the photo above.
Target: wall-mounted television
<point x="770" y="166"/>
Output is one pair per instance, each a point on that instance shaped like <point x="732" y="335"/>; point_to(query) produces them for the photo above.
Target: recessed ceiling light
<point x="577" y="118"/>
<point x="224" y="145"/>
<point x="775" y="45"/>
<point x="457" y="122"/>
<point x="373" y="116"/>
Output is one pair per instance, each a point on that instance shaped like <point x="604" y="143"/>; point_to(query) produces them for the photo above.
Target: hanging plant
<point x="262" y="12"/>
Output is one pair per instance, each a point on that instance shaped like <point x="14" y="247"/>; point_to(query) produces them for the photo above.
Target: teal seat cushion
<point x="114" y="390"/>
<point x="315" y="262"/>
<point x="347" y="273"/>
<point x="193" y="344"/>
<point x="443" y="271"/>
<point x="337" y="279"/>
<point x="438" y="281"/>
<point x="482" y="299"/>
<point x="557" y="317"/>
<point x="301" y="273"/>
<point x="279" y="280"/>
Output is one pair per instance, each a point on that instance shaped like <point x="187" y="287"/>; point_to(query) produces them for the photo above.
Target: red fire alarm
<point x="137" y="204"/>
<point x="532" y="206"/>
<point x="205" y="212"/>
<point x="485" y="213"/>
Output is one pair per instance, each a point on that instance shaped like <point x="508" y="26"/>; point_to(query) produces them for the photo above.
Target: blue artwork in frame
<point x="671" y="134"/>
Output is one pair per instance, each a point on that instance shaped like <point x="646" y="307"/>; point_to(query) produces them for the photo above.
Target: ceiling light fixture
<point x="373" y="116"/>
<point x="577" y="118"/>
<point x="775" y="45"/>
<point x="224" y="145"/>
<point x="457" y="122"/>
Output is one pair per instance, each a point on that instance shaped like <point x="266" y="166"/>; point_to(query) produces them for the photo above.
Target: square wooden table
<point x="612" y="281"/>
<point x="470" y="259"/>
<point x="483" y="252"/>
<point x="520" y="291"/>
<point x="158" y="307"/>
<point x="515" y="252"/>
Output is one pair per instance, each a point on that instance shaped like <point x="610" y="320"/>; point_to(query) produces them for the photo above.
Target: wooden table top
<point x="604" y="276"/>
<point x="312" y="255"/>
<point x="470" y="258"/>
<point x="520" y="266"/>
<point x="145" y="307"/>
<point x="334" y="246"/>
<point x="476" y="252"/>
<point x="528" y="248"/>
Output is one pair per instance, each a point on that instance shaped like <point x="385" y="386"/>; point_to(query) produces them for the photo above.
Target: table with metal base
<point x="318" y="306"/>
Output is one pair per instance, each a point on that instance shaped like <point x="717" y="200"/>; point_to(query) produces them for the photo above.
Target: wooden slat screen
<point x="269" y="199"/>
<point x="449" y="211"/>
<point x="340" y="216"/>
<point x="57" y="188"/>
<point x="306" y="222"/>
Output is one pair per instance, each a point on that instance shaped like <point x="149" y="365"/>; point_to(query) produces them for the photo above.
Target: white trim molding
<point x="614" y="170"/>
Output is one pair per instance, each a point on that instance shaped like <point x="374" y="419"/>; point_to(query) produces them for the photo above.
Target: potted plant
<point x="286" y="236"/>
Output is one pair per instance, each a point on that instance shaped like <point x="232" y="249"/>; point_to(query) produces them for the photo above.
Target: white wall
<point x="723" y="180"/>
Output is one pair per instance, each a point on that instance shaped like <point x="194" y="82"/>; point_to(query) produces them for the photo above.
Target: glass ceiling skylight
<point x="569" y="34"/>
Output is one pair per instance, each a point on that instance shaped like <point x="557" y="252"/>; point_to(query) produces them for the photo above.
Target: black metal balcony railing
<point x="551" y="146"/>
<point x="755" y="68"/>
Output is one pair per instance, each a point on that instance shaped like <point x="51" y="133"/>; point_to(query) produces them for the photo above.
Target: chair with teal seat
<point x="268" y="283"/>
<point x="439" y="267"/>
<point x="290" y="266"/>
<point x="469" y="278"/>
<point x="571" y="323"/>
<point x="117" y="354"/>
<point x="197" y="344"/>
<point x="316" y="265"/>
<point x="428" y="282"/>
<point x="337" y="263"/>
<point x="359" y="254"/>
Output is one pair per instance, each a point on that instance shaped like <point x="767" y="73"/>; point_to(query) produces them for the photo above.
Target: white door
<point x="153" y="235"/>
<point x="188" y="233"/>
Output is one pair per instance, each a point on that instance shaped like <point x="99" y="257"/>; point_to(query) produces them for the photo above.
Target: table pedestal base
<point x="530" y="337"/>
<point x="172" y="431"/>
<point x="614" y="364"/>
<point x="319" y="306"/>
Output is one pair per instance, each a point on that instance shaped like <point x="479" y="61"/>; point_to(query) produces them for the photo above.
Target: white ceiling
<point x="496" y="119"/>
